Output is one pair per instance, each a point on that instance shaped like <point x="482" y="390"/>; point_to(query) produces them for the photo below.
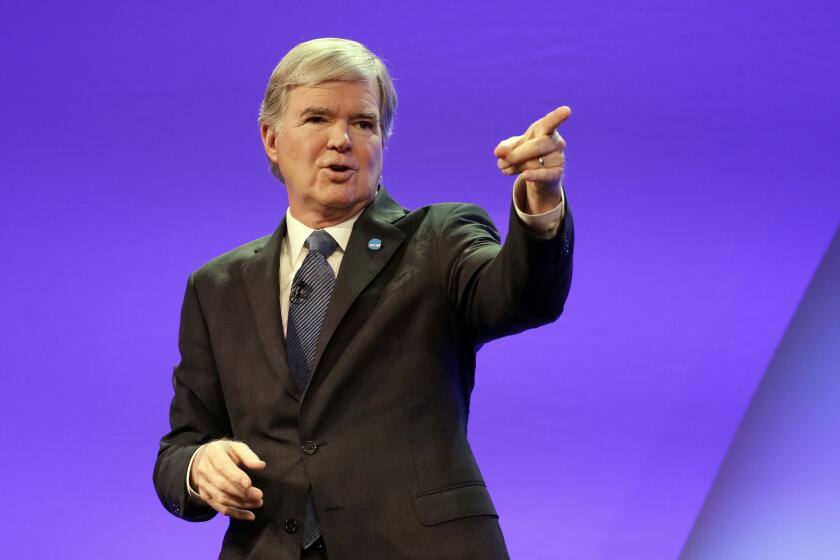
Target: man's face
<point x="329" y="149"/>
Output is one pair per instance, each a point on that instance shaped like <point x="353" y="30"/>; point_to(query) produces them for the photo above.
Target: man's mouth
<point x="339" y="173"/>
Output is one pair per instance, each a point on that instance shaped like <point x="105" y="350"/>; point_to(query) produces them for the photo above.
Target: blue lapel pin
<point x="375" y="244"/>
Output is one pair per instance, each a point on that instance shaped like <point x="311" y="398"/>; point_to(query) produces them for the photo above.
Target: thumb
<point x="505" y="146"/>
<point x="246" y="456"/>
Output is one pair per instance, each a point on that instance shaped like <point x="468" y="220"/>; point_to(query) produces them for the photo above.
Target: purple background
<point x="701" y="172"/>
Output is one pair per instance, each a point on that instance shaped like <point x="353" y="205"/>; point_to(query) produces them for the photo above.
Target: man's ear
<point x="269" y="140"/>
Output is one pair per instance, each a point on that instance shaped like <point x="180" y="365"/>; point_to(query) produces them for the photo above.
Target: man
<point x="323" y="391"/>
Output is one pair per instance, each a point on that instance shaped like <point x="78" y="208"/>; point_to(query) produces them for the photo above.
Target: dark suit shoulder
<point x="440" y="213"/>
<point x="446" y="208"/>
<point x="220" y="268"/>
<point x="454" y="218"/>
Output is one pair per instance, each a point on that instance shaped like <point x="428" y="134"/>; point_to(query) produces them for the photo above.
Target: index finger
<point x="551" y="121"/>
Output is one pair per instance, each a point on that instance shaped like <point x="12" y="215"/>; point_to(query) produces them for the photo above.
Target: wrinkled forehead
<point x="336" y="96"/>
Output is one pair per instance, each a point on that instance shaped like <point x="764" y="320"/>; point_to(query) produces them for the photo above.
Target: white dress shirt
<point x="293" y="252"/>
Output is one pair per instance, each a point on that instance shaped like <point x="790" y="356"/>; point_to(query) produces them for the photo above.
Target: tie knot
<point x="322" y="242"/>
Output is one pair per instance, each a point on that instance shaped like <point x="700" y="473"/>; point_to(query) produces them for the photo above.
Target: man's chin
<point x="340" y="196"/>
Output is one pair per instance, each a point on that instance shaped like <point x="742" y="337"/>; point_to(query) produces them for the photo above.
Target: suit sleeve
<point x="498" y="290"/>
<point x="197" y="413"/>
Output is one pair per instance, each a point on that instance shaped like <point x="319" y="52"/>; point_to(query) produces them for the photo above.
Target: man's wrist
<point x="541" y="199"/>
<point x="546" y="224"/>
<point x="193" y="494"/>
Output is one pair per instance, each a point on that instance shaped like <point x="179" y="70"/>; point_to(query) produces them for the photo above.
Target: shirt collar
<point x="297" y="232"/>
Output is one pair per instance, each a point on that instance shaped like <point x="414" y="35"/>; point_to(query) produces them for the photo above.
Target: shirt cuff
<point x="544" y="225"/>
<point x="194" y="497"/>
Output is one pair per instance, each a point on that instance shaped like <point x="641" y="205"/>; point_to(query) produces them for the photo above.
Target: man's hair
<point x="321" y="60"/>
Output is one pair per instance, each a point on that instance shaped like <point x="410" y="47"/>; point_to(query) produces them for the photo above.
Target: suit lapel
<point x="261" y="275"/>
<point x="361" y="264"/>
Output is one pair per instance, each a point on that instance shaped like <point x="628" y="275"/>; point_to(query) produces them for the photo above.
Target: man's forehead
<point x="361" y="96"/>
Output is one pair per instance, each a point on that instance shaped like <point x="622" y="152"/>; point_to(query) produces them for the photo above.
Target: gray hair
<point x="321" y="60"/>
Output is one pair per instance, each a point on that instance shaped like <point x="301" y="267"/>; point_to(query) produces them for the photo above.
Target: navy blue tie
<point x="308" y="301"/>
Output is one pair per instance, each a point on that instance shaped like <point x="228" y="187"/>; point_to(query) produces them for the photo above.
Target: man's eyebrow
<point x="317" y="111"/>
<point x="369" y="115"/>
<point x="326" y="112"/>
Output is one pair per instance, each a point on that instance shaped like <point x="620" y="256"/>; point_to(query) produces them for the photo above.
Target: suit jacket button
<point x="310" y="447"/>
<point x="291" y="526"/>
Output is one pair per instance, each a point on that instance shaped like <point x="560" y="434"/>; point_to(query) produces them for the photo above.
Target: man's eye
<point x="315" y="119"/>
<point x="367" y="125"/>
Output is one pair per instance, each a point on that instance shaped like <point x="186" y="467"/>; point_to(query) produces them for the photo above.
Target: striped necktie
<point x="309" y="298"/>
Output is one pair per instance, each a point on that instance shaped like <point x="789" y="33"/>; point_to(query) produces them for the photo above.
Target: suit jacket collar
<point x="359" y="266"/>
<point x="362" y="262"/>
<point x="261" y="276"/>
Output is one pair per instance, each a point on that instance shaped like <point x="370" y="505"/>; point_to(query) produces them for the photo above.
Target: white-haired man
<point x="322" y="396"/>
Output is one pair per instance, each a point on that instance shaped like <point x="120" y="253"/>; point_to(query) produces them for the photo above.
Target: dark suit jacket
<point x="380" y="434"/>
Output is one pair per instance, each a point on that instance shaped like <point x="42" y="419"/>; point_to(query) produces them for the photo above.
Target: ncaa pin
<point x="375" y="244"/>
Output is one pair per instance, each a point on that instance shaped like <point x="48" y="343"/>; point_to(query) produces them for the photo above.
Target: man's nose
<point x="339" y="138"/>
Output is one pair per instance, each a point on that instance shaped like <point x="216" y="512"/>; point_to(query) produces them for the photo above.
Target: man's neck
<point x="326" y="217"/>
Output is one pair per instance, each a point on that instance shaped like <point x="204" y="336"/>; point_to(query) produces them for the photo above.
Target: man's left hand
<point x="538" y="155"/>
